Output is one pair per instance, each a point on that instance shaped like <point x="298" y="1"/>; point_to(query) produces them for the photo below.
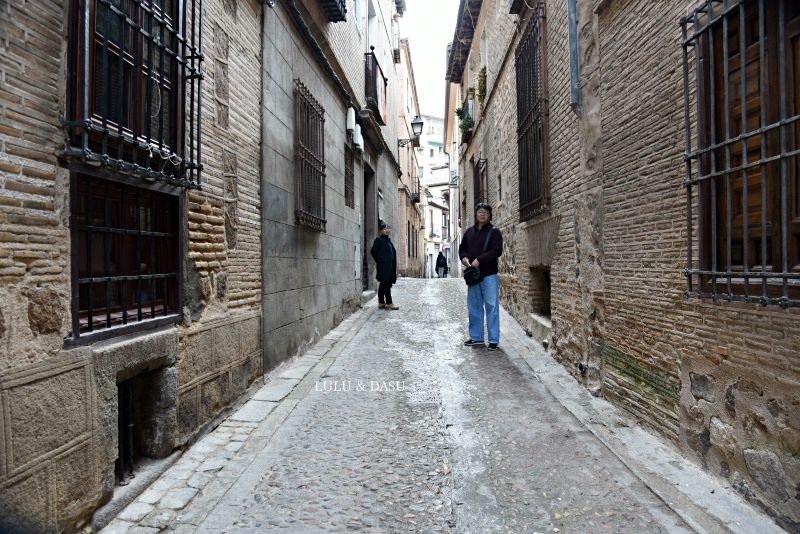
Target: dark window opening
<point x="499" y="188"/>
<point x="533" y="136"/>
<point x="743" y="201"/>
<point x="142" y="423"/>
<point x="540" y="291"/>
<point x="349" y="177"/>
<point x="135" y="81"/>
<point x="309" y="159"/>
<point x="481" y="181"/>
<point x="408" y="239"/>
<point x="126" y="248"/>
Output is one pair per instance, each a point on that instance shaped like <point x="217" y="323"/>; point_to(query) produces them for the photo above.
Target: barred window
<point x="480" y="181"/>
<point x="742" y="58"/>
<point x="134" y="93"/>
<point x="126" y="256"/>
<point x="349" y="176"/>
<point x="309" y="157"/>
<point x="533" y="136"/>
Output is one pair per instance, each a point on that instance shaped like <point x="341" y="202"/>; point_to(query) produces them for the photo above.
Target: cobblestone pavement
<point x="389" y="424"/>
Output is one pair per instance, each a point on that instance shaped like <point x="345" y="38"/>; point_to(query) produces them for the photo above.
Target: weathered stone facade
<point x="716" y="378"/>
<point x="406" y="235"/>
<point x="312" y="280"/>
<point x="60" y="404"/>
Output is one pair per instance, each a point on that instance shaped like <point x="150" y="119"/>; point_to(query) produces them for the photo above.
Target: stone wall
<point x="715" y="378"/>
<point x="736" y="406"/>
<point x="220" y="349"/>
<point x="408" y="212"/>
<point x="310" y="281"/>
<point x="59" y="406"/>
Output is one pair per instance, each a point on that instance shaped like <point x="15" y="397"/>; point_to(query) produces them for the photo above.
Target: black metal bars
<point x="533" y="123"/>
<point x="309" y="159"/>
<point x="335" y="10"/>
<point x="375" y="87"/>
<point x="741" y="63"/>
<point x="135" y="100"/>
<point x="128" y="255"/>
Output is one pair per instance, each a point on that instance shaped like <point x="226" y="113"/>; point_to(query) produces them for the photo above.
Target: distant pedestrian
<point x="441" y="265"/>
<point x="385" y="257"/>
<point x="480" y="247"/>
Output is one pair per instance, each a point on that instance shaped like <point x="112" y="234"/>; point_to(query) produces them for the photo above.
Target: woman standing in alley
<point x="385" y="257"/>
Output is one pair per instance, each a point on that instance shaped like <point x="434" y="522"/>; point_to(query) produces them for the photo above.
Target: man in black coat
<point x="385" y="257"/>
<point x="441" y="265"/>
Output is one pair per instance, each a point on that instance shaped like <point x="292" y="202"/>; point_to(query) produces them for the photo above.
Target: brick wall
<point x="735" y="362"/>
<point x="34" y="240"/>
<point x="716" y="378"/>
<point x="220" y="346"/>
<point x="69" y="439"/>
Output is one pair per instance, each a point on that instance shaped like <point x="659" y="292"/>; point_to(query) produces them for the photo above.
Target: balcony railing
<point x="335" y="10"/>
<point x="375" y="88"/>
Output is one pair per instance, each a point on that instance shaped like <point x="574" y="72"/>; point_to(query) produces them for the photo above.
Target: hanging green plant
<point x="465" y="122"/>
<point x="481" y="86"/>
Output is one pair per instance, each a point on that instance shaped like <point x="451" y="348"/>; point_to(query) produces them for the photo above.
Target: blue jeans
<point x="484" y="295"/>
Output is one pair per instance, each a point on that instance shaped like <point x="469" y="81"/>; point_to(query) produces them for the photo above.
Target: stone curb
<point x="187" y="491"/>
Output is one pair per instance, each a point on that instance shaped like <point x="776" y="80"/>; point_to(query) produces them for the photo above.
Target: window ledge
<point x="146" y="326"/>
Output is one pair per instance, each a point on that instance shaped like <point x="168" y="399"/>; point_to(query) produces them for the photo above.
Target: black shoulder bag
<point x="472" y="275"/>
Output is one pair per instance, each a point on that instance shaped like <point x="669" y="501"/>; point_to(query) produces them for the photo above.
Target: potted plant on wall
<point x="465" y="122"/>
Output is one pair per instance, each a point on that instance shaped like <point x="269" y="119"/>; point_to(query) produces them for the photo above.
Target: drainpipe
<point x="574" y="93"/>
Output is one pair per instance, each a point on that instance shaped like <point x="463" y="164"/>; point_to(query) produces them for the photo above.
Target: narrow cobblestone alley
<point x="389" y="424"/>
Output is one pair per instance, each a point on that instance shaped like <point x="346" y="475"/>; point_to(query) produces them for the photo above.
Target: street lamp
<point x="416" y="130"/>
<point x="428" y="196"/>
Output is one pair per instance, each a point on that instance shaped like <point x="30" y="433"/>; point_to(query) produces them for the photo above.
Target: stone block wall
<point x="218" y="361"/>
<point x="310" y="281"/>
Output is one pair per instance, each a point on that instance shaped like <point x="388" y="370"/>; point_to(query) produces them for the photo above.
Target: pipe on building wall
<point x="574" y="93"/>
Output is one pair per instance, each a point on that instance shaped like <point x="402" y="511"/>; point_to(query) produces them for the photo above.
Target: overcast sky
<point x="429" y="26"/>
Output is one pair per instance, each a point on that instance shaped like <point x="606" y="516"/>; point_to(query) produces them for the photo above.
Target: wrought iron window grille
<point x="309" y="159"/>
<point x="135" y="104"/>
<point x="533" y="117"/>
<point x="741" y="160"/>
<point x="126" y="260"/>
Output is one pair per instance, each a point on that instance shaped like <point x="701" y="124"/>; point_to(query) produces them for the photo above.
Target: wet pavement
<point x="389" y="424"/>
